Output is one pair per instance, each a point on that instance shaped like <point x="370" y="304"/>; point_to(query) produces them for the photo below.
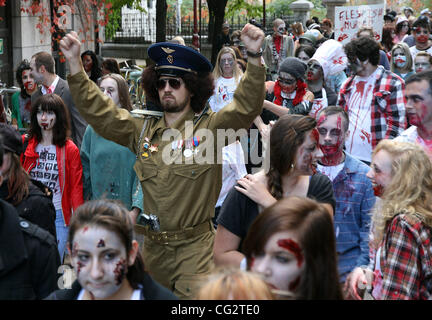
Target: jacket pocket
<point x="192" y="172"/>
<point x="381" y="99"/>
<point x="145" y="171"/>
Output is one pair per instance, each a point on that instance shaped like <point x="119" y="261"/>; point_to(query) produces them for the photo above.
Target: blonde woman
<point x="234" y="284"/>
<point x="227" y="75"/>
<point x="401" y="266"/>
<point x="401" y="60"/>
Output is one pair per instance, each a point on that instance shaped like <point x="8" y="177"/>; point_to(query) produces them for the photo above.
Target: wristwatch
<point x="255" y="54"/>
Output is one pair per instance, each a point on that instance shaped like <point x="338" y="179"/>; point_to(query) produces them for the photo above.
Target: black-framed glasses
<point x="286" y="81"/>
<point x="173" y="83"/>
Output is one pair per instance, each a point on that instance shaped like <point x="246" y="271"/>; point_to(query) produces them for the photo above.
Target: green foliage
<point x="115" y="17"/>
<point x="241" y="7"/>
<point x="279" y="7"/>
<point x="118" y="4"/>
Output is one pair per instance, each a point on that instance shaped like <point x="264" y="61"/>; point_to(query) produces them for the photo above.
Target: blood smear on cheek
<point x="120" y="271"/>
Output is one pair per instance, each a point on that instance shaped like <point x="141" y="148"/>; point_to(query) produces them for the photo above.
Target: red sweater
<point x="70" y="174"/>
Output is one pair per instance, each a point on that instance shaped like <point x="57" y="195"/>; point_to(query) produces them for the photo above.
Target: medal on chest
<point x="148" y="148"/>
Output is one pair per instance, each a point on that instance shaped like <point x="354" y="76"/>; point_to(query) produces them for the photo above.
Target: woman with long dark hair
<point x="52" y="158"/>
<point x="106" y="257"/>
<point x="293" y="157"/>
<point x="91" y="65"/>
<point x="291" y="244"/>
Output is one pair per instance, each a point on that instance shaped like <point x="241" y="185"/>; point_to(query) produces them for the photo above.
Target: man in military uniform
<point x="179" y="190"/>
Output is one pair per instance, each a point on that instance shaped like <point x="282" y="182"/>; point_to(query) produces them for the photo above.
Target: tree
<point x="161" y="13"/>
<point x="216" y="15"/>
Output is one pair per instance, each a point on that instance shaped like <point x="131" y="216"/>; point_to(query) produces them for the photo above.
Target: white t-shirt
<point x="411" y="135"/>
<point x="331" y="171"/>
<point x="233" y="168"/>
<point x="359" y="142"/>
<point x="136" y="294"/>
<point x="319" y="104"/>
<point x="224" y="93"/>
<point x="46" y="171"/>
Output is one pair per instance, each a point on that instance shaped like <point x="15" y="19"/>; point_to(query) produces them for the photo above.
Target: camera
<point x="149" y="220"/>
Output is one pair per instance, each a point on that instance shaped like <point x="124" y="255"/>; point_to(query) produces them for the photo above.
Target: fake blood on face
<point x="101" y="243"/>
<point x="293" y="247"/>
<point x="120" y="271"/>
<point x="378" y="190"/>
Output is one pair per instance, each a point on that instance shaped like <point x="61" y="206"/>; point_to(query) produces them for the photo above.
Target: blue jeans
<point x="62" y="233"/>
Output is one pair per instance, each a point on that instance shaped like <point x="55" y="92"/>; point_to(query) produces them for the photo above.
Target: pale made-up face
<point x="421" y="63"/>
<point x="100" y="261"/>
<point x="110" y="88"/>
<point x="380" y="173"/>
<point x="331" y="134"/>
<point x="314" y="71"/>
<point x="287" y="82"/>
<point x="308" y="154"/>
<point x="46" y="119"/>
<point x="303" y="56"/>
<point x="419" y="104"/>
<point x="282" y="262"/>
<point x="227" y="65"/>
<point x="399" y="58"/>
<point x="28" y="81"/>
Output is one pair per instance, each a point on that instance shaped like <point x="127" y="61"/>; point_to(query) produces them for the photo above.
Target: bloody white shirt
<point x="359" y="142"/>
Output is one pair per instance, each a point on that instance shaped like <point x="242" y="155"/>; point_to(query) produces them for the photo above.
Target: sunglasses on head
<point x="173" y="83"/>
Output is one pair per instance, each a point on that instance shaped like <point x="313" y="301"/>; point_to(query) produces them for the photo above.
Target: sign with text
<point x="349" y="19"/>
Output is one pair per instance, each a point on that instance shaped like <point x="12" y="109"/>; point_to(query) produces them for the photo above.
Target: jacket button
<point x="193" y="172"/>
<point x="24" y="224"/>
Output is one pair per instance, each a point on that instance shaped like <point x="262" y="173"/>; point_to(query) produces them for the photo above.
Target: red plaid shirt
<point x="406" y="260"/>
<point x="388" y="105"/>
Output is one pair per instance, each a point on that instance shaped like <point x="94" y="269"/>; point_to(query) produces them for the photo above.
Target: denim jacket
<point x="354" y="201"/>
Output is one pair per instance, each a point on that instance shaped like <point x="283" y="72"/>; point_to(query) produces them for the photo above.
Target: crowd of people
<point x="339" y="205"/>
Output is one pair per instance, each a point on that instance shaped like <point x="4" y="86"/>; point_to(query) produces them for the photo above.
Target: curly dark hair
<point x="24" y="65"/>
<point x="200" y="85"/>
<point x="363" y="48"/>
<point x="61" y="129"/>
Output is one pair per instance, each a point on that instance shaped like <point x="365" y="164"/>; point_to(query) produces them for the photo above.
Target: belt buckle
<point x="163" y="236"/>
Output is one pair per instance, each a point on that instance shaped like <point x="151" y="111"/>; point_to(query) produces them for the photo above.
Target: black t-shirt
<point x="238" y="211"/>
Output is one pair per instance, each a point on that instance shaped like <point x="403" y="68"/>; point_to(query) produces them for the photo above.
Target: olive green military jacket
<point x="181" y="191"/>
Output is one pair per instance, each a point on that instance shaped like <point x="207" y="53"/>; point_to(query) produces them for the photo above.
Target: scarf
<point x="300" y="92"/>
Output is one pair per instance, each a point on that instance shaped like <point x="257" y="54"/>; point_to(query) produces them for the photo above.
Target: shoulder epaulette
<point x="139" y="113"/>
<point x="36" y="232"/>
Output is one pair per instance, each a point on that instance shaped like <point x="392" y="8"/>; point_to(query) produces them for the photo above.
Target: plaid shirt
<point x="388" y="105"/>
<point x="406" y="260"/>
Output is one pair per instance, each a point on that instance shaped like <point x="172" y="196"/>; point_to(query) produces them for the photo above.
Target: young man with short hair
<point x="351" y="187"/>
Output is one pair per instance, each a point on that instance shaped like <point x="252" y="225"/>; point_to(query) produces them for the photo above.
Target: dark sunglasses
<point x="287" y="81"/>
<point x="173" y="83"/>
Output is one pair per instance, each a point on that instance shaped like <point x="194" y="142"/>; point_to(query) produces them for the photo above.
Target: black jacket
<point x="29" y="258"/>
<point x="151" y="290"/>
<point x="37" y="207"/>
